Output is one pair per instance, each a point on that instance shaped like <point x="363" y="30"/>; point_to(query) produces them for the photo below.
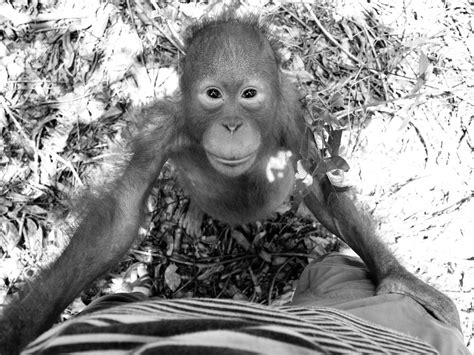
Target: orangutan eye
<point x="213" y="93"/>
<point x="249" y="93"/>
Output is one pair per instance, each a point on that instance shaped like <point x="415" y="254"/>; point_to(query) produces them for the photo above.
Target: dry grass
<point x="397" y="80"/>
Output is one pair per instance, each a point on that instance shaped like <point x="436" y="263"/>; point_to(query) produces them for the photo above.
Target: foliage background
<point x="396" y="76"/>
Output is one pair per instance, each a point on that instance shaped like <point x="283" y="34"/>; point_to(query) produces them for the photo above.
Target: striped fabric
<point x="208" y="326"/>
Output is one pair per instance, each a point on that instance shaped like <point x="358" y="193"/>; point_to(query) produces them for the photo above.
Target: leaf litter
<point x="389" y="96"/>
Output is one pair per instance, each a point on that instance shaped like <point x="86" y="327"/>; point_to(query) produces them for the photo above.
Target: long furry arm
<point x="107" y="228"/>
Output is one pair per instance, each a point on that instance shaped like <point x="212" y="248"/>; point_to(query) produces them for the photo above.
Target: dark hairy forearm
<point x="338" y="213"/>
<point x="102" y="238"/>
<point x="356" y="229"/>
<point x="107" y="228"/>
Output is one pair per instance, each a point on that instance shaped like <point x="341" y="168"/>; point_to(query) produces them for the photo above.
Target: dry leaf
<point x="423" y="64"/>
<point x="172" y="278"/>
<point x="33" y="235"/>
<point x="9" y="236"/>
<point x="240" y="239"/>
<point x="265" y="256"/>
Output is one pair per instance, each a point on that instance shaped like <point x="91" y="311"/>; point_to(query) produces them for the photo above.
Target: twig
<point x="296" y="255"/>
<point x="301" y="22"/>
<point x="204" y="265"/>
<point x="71" y="168"/>
<point x="182" y="287"/>
<point x="343" y="113"/>
<point x="270" y="291"/>
<point x="227" y="278"/>
<point x="134" y="24"/>
<point x="377" y="61"/>
<point x="18" y="18"/>
<point x="256" y="287"/>
<point x="57" y="102"/>
<point x="330" y="37"/>
<point x="179" y="45"/>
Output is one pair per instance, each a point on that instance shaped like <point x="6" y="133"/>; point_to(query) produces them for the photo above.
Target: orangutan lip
<point x="233" y="162"/>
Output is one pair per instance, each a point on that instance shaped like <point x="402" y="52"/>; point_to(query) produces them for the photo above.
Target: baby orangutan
<point x="237" y="111"/>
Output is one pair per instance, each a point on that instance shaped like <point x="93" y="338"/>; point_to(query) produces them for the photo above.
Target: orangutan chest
<point x="237" y="200"/>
